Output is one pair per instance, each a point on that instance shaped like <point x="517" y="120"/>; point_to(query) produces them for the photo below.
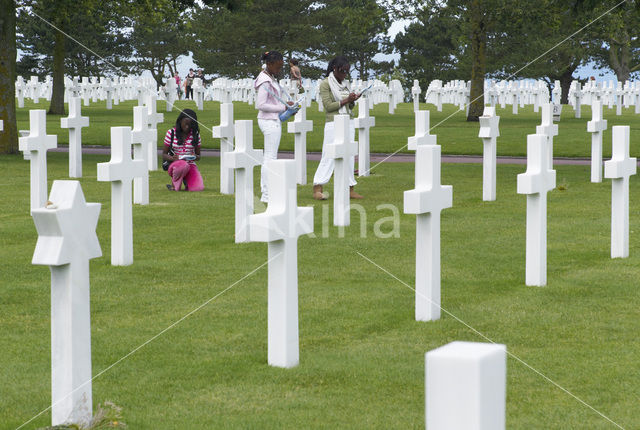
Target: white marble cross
<point x="426" y="201"/>
<point x="363" y="123"/>
<point x="224" y="132"/>
<point x="489" y="131"/>
<point x="74" y="122"/>
<point x="243" y="159"/>
<point x="108" y="87"/>
<point x="142" y="137"/>
<point x="171" y="89"/>
<point x="466" y="386"/>
<point x="86" y="91"/>
<point x="154" y="118"/>
<point x="67" y="240"/>
<point x="280" y="226"/>
<point x="20" y="88"/>
<point x="596" y="126"/>
<point x="36" y="145"/>
<point x="120" y="171"/>
<point x="391" y="101"/>
<point x="341" y="150"/>
<point x="415" y="93"/>
<point x="619" y="169"/>
<point x="548" y="128"/>
<point x="300" y="126"/>
<point x="198" y="93"/>
<point x="422" y="136"/>
<point x="536" y="182"/>
<point x="578" y="99"/>
<point x="35" y="89"/>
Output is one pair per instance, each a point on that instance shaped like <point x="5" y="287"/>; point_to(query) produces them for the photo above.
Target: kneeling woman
<point x="182" y="149"/>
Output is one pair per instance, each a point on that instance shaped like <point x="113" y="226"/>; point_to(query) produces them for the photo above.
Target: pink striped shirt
<point x="186" y="148"/>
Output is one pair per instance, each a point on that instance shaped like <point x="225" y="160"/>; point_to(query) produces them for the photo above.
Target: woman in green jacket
<point x="337" y="98"/>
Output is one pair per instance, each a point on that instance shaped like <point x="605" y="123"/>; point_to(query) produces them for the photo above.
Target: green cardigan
<point x="331" y="106"/>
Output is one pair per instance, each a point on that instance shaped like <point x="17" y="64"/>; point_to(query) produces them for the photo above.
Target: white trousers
<point x="272" y="131"/>
<point x="326" y="166"/>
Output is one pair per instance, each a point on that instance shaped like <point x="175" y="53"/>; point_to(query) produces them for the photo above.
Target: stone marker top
<point x="75" y="118"/>
<point x="547" y="127"/>
<point x="226" y="128"/>
<point x="489" y="123"/>
<point x="66" y="226"/>
<point x="422" y="136"/>
<point x="244" y="156"/>
<point x="429" y="195"/>
<point x="620" y="165"/>
<point x="539" y="177"/>
<point x="121" y="167"/>
<point x="597" y="123"/>
<point x="283" y="219"/>
<point x="38" y="139"/>
<point x="342" y="146"/>
<point x="463" y="350"/>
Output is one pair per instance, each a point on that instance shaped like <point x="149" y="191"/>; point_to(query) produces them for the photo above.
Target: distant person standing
<point x="200" y="75"/>
<point x="188" y="83"/>
<point x="294" y="71"/>
<point x="176" y="76"/>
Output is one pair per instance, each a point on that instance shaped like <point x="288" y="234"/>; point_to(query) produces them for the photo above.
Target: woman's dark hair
<point x="293" y="61"/>
<point x="271" y="56"/>
<point x="336" y="63"/>
<point x="188" y="113"/>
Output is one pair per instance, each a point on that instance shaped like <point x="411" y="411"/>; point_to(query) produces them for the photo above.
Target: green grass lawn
<point x="361" y="351"/>
<point x="390" y="134"/>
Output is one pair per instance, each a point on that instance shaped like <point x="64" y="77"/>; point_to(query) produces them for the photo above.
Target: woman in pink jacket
<point x="269" y="107"/>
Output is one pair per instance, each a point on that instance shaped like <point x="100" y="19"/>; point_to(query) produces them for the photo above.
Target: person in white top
<point x="269" y="108"/>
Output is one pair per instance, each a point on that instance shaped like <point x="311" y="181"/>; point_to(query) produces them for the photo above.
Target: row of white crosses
<point x="279" y="224"/>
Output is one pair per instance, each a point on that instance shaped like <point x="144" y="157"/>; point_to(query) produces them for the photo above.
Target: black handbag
<point x="167" y="163"/>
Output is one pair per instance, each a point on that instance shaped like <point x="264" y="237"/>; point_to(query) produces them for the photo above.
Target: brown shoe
<point x="318" y="194"/>
<point x="353" y="194"/>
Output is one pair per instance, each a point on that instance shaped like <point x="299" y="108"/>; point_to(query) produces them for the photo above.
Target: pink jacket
<point x="268" y="106"/>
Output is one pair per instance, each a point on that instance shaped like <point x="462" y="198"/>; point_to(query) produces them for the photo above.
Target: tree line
<point x="446" y="39"/>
